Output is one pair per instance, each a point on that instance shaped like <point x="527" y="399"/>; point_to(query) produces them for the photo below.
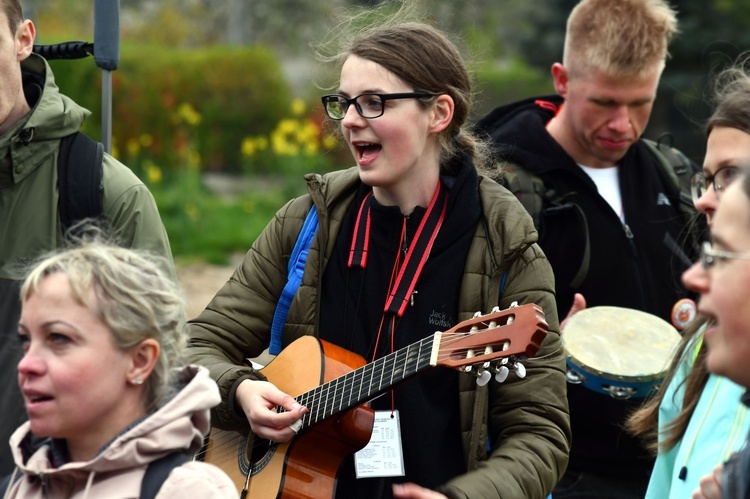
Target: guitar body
<point x="307" y="465"/>
<point x="335" y="384"/>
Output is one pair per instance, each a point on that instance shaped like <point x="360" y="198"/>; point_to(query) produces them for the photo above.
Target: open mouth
<point x="711" y="323"/>
<point x="37" y="399"/>
<point x="366" y="150"/>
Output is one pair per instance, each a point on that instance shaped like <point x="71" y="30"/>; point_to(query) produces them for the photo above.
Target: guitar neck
<point x="363" y="384"/>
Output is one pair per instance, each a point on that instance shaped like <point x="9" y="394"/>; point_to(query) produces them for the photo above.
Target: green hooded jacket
<point x="29" y="221"/>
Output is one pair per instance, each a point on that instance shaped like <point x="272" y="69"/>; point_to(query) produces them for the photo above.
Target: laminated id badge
<point x="383" y="455"/>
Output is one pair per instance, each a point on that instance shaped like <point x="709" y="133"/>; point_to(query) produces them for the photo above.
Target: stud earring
<point x="136" y="381"/>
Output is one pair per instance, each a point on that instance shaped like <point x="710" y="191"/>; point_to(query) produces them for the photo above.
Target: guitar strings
<point x="344" y="386"/>
<point x="345" y="389"/>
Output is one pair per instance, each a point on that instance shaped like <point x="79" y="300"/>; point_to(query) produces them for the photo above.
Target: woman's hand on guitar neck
<point x="259" y="400"/>
<point x="414" y="491"/>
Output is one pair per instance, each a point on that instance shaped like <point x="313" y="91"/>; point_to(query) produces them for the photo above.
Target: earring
<point x="136" y="381"/>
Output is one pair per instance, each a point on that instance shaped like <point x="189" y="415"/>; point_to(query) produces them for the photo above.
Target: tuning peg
<point x="501" y="374"/>
<point x="483" y="377"/>
<point x="520" y="370"/>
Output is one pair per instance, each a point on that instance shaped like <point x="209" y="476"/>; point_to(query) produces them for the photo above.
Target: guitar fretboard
<point x="365" y="383"/>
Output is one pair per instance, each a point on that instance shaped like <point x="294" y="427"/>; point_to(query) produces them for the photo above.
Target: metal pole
<point x="107" y="57"/>
<point x="107" y="110"/>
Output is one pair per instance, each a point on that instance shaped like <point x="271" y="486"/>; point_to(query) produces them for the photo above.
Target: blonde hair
<point x="133" y="296"/>
<point x="621" y="38"/>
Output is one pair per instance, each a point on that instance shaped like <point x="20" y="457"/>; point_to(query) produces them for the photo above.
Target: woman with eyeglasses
<point x="722" y="277"/>
<point x="697" y="420"/>
<point x="412" y="240"/>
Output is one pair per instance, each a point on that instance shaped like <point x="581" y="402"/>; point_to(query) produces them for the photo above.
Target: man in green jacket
<point x="34" y="116"/>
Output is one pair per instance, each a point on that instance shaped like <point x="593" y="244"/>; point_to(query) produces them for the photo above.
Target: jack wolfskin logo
<point x="662" y="200"/>
<point x="440" y="319"/>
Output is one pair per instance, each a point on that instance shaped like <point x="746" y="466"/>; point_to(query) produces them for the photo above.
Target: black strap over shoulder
<point x="5" y="483"/>
<point x="158" y="471"/>
<point x="79" y="179"/>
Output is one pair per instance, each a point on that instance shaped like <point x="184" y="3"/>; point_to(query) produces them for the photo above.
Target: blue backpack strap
<point x="502" y="285"/>
<point x="294" y="278"/>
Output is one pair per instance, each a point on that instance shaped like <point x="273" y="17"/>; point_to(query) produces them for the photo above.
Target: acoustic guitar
<point x="334" y="384"/>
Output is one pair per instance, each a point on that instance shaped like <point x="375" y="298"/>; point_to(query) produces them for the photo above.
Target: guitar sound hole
<point x="255" y="454"/>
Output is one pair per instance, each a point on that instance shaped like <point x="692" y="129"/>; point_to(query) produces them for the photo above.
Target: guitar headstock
<point x="515" y="331"/>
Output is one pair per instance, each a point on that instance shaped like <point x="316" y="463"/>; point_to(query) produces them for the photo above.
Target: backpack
<point x="156" y="473"/>
<point x="79" y="179"/>
<point x="533" y="193"/>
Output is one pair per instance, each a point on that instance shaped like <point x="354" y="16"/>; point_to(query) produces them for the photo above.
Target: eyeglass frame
<point x="383" y="98"/>
<point x="709" y="256"/>
<point x="697" y="191"/>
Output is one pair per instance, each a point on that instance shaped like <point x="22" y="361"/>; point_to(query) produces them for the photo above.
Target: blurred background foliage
<point x="216" y="103"/>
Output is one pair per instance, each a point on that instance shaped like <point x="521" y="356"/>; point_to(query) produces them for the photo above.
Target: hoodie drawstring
<point x="89" y="484"/>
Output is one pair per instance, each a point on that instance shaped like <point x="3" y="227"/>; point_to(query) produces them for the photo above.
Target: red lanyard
<point x="402" y="288"/>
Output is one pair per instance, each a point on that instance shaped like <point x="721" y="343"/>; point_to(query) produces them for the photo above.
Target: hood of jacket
<point x="52" y="116"/>
<point x="178" y="425"/>
<point x="518" y="133"/>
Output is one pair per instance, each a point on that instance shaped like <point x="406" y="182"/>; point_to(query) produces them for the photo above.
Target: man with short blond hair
<point x="621" y="39"/>
<point x="607" y="209"/>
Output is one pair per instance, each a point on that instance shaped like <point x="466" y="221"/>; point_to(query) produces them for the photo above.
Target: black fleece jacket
<point x="634" y="265"/>
<point x="352" y="308"/>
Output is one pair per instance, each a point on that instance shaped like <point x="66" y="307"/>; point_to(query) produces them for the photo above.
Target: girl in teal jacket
<point x="701" y="420"/>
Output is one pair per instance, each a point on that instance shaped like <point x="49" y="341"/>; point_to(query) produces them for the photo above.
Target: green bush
<point x="169" y="103"/>
<point x="204" y="226"/>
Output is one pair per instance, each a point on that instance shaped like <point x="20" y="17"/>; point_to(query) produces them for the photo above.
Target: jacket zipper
<point x="636" y="264"/>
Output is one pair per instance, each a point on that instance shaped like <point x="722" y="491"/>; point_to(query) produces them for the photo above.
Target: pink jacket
<point x="117" y="471"/>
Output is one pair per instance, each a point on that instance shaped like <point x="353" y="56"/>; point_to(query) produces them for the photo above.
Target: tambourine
<point x="618" y="351"/>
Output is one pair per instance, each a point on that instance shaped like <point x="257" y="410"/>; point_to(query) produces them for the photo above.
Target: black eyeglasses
<point x="710" y="256"/>
<point x="720" y="180"/>
<point x="368" y="105"/>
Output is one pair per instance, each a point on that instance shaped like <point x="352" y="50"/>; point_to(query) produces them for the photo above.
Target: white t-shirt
<point x="608" y="184"/>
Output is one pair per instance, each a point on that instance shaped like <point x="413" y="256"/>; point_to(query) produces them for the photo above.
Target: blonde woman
<point x="102" y="330"/>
